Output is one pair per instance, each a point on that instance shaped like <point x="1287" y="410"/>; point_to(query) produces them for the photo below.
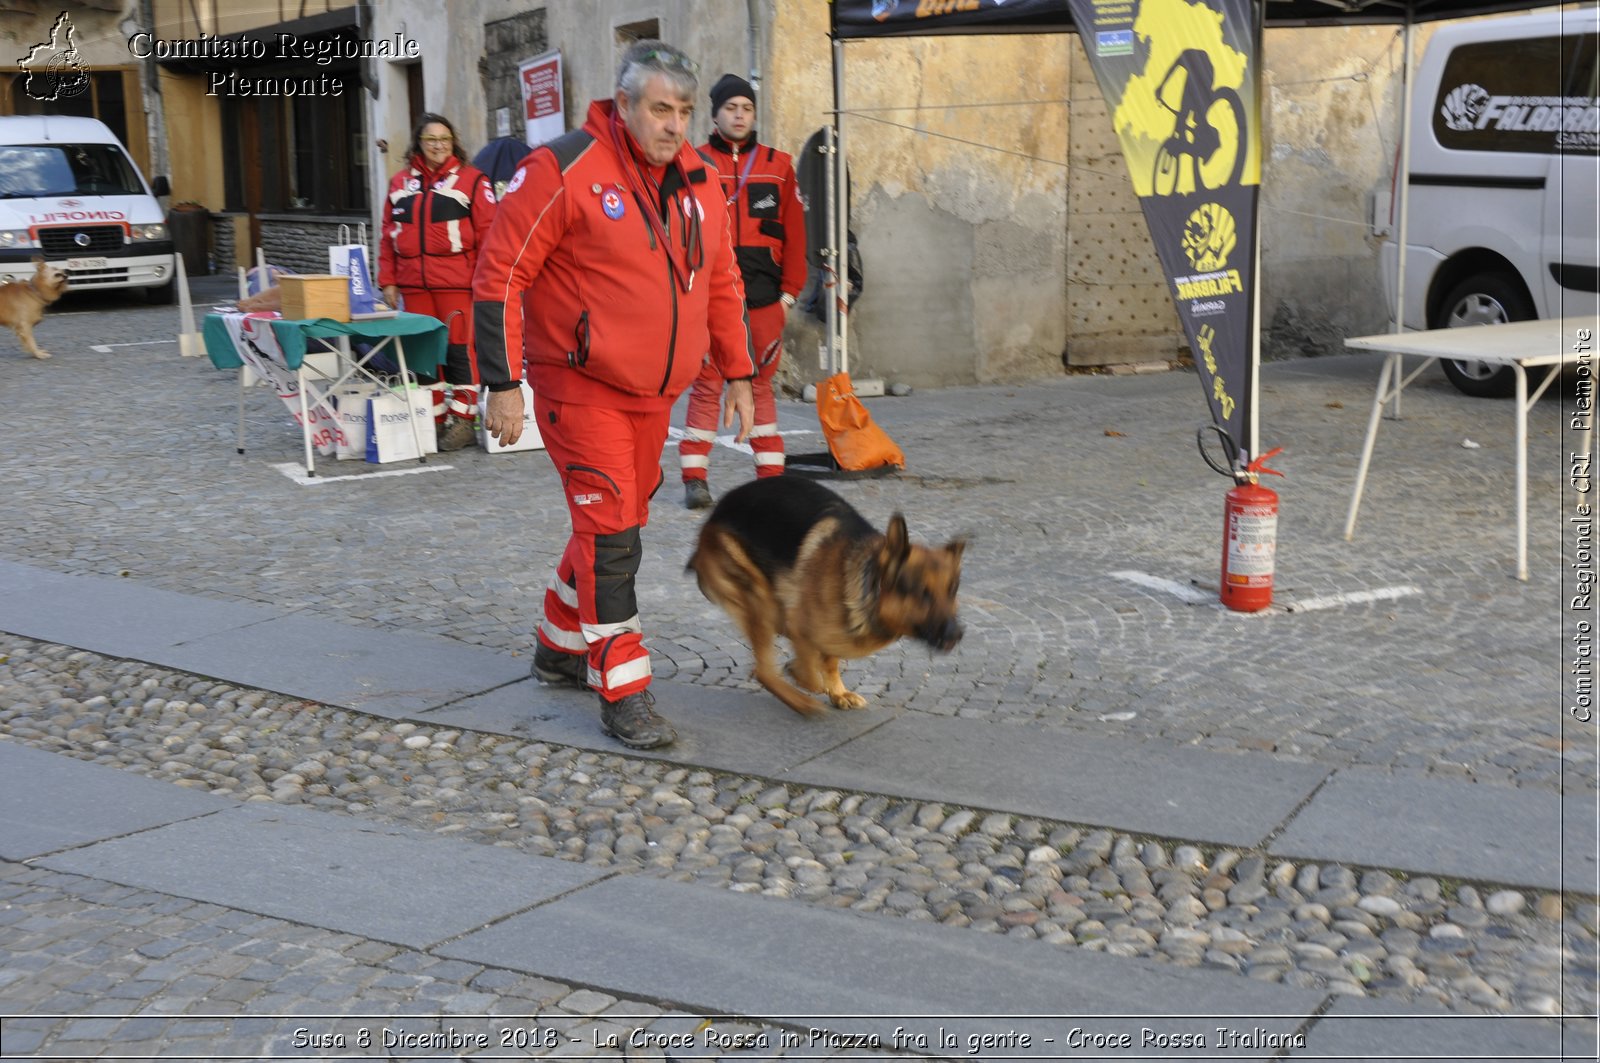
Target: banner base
<point x="823" y="466"/>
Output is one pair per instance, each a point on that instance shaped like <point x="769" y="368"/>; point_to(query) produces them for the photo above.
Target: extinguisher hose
<point x="1230" y="450"/>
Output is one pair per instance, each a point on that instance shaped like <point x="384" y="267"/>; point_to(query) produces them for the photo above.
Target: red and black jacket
<point x="597" y="302"/>
<point x="769" y="220"/>
<point x="437" y="221"/>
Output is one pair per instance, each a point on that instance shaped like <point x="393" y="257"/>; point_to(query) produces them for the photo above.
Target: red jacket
<point x="601" y="306"/>
<point x="436" y="224"/>
<point x="769" y="219"/>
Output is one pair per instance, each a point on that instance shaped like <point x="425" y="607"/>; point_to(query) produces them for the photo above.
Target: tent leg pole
<point x="1403" y="180"/>
<point x="841" y="215"/>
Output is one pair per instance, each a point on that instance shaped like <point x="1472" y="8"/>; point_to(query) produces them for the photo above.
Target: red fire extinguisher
<point x="1250" y="539"/>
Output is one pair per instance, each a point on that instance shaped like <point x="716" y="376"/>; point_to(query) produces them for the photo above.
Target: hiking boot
<point x="456" y="432"/>
<point x="696" y="494"/>
<point x="557" y="669"/>
<point x="633" y="721"/>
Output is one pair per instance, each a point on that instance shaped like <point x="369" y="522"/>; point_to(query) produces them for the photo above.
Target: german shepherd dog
<point x="22" y="303"/>
<point x="786" y="556"/>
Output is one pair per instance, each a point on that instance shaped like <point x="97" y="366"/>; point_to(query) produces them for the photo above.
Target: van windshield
<point x="34" y="170"/>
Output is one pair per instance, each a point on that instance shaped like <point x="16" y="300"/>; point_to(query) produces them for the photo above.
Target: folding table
<point x="419" y="343"/>
<point x="1550" y="344"/>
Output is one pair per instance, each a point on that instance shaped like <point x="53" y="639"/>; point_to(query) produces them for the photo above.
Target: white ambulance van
<point x="1503" y="212"/>
<point x="69" y="190"/>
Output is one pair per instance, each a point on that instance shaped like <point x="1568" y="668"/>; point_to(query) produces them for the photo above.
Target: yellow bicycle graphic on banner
<point x="1209" y="130"/>
<point x="1182" y="102"/>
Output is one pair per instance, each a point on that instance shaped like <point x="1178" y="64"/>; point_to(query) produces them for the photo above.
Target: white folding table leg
<point x="1525" y="401"/>
<point x="305" y="419"/>
<point x="411" y="406"/>
<point x="243" y="369"/>
<point x="1381" y="396"/>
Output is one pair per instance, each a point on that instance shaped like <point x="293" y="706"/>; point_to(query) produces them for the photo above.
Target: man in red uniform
<point x="607" y="276"/>
<point x="769" y="240"/>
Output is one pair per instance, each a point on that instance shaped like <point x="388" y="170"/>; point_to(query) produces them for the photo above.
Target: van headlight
<point x="149" y="232"/>
<point x="15" y="238"/>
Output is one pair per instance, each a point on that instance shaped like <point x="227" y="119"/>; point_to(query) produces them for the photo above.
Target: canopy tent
<point x="889" y="18"/>
<point x="867" y="19"/>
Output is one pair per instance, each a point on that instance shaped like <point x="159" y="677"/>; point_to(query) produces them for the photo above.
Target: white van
<point x="69" y="190"/>
<point x="1503" y="213"/>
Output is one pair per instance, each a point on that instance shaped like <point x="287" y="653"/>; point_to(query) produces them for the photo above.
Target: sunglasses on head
<point x="674" y="59"/>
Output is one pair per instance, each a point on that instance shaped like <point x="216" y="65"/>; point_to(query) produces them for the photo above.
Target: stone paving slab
<point x="50" y="802"/>
<point x="1446" y="827"/>
<point x="731" y="730"/>
<point x="735" y="953"/>
<point x="393" y="884"/>
<point x="385" y="673"/>
<point x="120" y="618"/>
<point x="1355" y="1029"/>
<point x="1147" y="787"/>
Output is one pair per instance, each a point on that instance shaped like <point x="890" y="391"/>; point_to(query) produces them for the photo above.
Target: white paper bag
<point x="531" y="440"/>
<point x="389" y="436"/>
<point x="351" y="406"/>
<point x="350" y="260"/>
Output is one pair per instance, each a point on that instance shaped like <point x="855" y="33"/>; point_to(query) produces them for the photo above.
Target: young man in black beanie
<point x="767" y="220"/>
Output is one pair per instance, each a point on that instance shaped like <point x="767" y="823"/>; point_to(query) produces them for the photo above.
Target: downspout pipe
<point x="753" y="8"/>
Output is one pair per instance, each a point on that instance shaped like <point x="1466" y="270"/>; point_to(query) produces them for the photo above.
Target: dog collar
<point x="872" y="585"/>
<point x="37" y="294"/>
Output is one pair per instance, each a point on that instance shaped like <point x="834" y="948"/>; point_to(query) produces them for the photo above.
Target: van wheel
<point x="1483" y="299"/>
<point x="163" y="294"/>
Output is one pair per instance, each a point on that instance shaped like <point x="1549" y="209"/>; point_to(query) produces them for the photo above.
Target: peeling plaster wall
<point x="1331" y="131"/>
<point x="961" y="216"/>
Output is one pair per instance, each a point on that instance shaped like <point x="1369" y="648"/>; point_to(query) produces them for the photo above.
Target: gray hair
<point x="646" y="59"/>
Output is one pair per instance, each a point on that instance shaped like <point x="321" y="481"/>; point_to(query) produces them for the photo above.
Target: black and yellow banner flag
<point x="1179" y="82"/>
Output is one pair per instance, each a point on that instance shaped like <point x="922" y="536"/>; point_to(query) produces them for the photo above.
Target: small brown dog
<point x="22" y="303"/>
<point x="786" y="556"/>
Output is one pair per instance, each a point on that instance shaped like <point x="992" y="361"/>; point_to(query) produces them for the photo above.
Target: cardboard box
<point x="530" y="440"/>
<point x="314" y="295"/>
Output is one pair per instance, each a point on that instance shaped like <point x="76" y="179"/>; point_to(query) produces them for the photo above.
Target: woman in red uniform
<point x="438" y="211"/>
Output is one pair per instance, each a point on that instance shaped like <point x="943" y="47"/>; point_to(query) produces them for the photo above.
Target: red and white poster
<point x="542" y="105"/>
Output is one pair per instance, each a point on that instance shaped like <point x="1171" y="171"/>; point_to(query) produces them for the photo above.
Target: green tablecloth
<point x="426" y="338"/>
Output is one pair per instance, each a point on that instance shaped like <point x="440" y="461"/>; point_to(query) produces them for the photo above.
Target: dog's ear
<point x="956" y="547"/>
<point x="38" y="261"/>
<point x="898" y="540"/>
<point x="895" y="549"/>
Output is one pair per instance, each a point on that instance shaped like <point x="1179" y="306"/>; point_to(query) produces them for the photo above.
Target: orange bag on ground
<point x="855" y="442"/>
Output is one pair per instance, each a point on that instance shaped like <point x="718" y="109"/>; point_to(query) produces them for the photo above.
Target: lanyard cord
<point x="643" y="184"/>
<point x="749" y="164"/>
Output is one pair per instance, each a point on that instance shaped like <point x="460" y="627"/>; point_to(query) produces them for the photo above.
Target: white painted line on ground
<point x="1196" y="596"/>
<point x="297" y="472"/>
<point x="1334" y="601"/>
<point x="105" y="348"/>
<point x="1192" y="595"/>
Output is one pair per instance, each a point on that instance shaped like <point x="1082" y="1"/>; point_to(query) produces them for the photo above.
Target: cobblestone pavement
<point x="130" y="471"/>
<point x="144" y="964"/>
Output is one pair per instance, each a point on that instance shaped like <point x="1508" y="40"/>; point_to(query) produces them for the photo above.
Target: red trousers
<point x="453" y="307"/>
<point x="705" y="403"/>
<point x="610" y="465"/>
